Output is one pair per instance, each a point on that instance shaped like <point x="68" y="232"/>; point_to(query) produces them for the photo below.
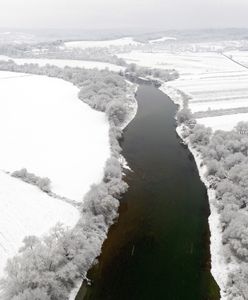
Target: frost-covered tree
<point x="242" y="128"/>
<point x="184" y="115"/>
<point x="236" y="235"/>
<point x="33" y="294"/>
<point x="112" y="169"/>
<point x="116" y="112"/>
<point x="233" y="159"/>
<point x="200" y="135"/>
<point x="43" y="183"/>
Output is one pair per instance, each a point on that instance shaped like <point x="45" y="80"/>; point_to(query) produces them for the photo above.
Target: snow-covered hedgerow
<point x="55" y="50"/>
<point x="87" y="64"/>
<point x="43" y="183"/>
<point x="49" y="268"/>
<point x="144" y="72"/>
<point x="184" y="115"/>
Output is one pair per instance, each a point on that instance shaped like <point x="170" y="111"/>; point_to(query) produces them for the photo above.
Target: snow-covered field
<point x="45" y="128"/>
<point x="25" y="210"/>
<point x="186" y="63"/>
<point x="226" y="122"/>
<point x="162" y="39"/>
<point x="212" y="82"/>
<point x="65" y="62"/>
<point x="102" y="44"/>
<point x="228" y="91"/>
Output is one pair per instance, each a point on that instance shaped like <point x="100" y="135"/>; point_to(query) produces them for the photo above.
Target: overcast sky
<point x="92" y="14"/>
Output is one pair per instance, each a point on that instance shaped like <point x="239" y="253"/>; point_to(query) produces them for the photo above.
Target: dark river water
<point x="159" y="248"/>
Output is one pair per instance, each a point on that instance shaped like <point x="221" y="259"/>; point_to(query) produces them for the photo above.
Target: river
<point x="159" y="248"/>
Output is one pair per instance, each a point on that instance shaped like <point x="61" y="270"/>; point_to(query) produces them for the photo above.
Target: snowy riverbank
<point x="73" y="155"/>
<point x="219" y="266"/>
<point x="132" y="108"/>
<point x="51" y="133"/>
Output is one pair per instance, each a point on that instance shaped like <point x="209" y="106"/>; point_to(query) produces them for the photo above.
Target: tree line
<point x="225" y="153"/>
<point x="48" y="268"/>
